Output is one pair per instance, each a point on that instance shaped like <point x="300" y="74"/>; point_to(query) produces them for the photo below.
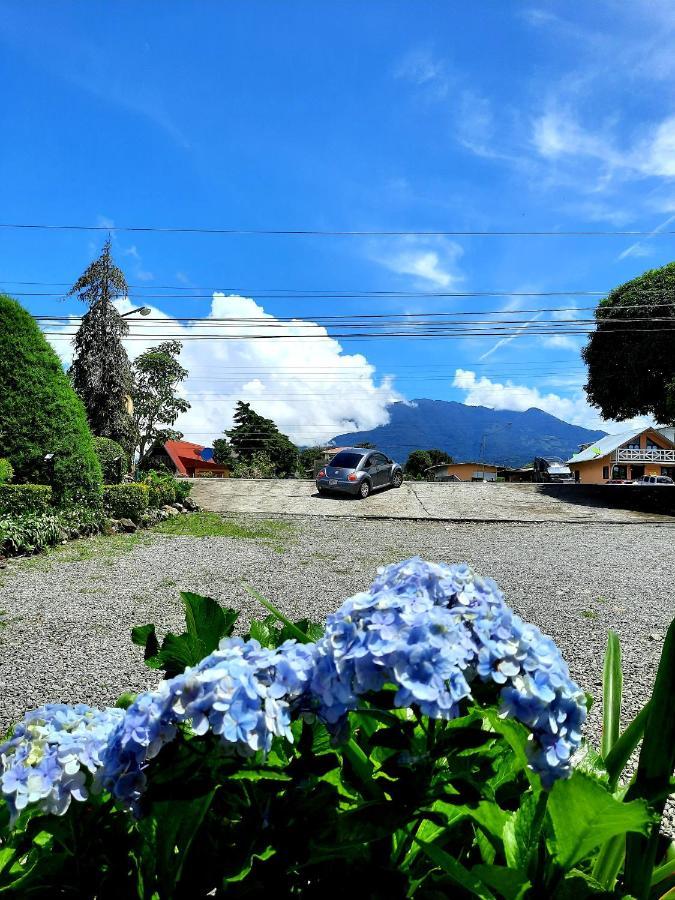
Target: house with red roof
<point x="185" y="460"/>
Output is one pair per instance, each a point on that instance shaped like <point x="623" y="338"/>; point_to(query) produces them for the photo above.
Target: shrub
<point x="6" y="471"/>
<point x="162" y="488"/>
<point x="40" y="413"/>
<point x="29" y="532"/>
<point x="125" y="501"/>
<point x="113" y="458"/>
<point x="17" y="499"/>
<point x="182" y="488"/>
<point x="258" y="466"/>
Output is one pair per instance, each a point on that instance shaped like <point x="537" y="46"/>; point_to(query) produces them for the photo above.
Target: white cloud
<point x="423" y="69"/>
<point x="482" y="391"/>
<point x="640" y="248"/>
<point x="310" y="387"/>
<point x="430" y="261"/>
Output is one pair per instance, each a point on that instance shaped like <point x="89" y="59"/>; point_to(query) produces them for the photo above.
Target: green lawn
<point x="210" y="524"/>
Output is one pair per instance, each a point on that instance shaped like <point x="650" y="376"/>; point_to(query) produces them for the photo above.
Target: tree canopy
<point x="631" y="354"/>
<point x="156" y="376"/>
<point x="420" y="460"/>
<point x="40" y="413"/>
<point x="253" y="433"/>
<point x="101" y="371"/>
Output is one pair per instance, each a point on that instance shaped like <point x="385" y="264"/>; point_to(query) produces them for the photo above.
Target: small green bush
<point x="109" y="454"/>
<point x="18" y="499"/>
<point x="6" y="471"/>
<point x="162" y="488"/>
<point x="125" y="501"/>
<point x="29" y="533"/>
<point x="183" y="489"/>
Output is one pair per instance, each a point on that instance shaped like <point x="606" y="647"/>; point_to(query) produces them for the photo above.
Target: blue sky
<point x="367" y="116"/>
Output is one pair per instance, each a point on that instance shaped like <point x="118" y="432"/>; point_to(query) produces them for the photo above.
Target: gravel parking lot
<point x="67" y="616"/>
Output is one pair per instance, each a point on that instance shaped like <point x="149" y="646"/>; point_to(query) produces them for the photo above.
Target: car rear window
<point x="346" y="460"/>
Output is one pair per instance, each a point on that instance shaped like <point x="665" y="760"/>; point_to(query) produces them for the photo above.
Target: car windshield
<point x="347" y="459"/>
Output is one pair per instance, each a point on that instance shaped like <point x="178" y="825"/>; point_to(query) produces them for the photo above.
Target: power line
<point x="316" y="232"/>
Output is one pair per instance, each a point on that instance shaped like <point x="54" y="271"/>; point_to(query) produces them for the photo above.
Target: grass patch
<point x="210" y="524"/>
<point x="589" y="614"/>
<point x="101" y="546"/>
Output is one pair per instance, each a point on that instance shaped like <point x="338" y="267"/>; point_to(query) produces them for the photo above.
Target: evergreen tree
<point x="101" y="371"/>
<point x="156" y="374"/>
<point x="43" y="426"/>
<point x="253" y="433"/>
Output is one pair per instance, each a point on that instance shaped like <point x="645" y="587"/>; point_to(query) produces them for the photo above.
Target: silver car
<point x="358" y="471"/>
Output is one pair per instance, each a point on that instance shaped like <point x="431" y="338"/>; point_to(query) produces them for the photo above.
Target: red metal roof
<point x="185" y="453"/>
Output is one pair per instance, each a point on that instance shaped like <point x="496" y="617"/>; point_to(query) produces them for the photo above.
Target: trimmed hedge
<point x="41" y="414"/>
<point x="108" y="452"/>
<point x="18" y="499"/>
<point x="125" y="501"/>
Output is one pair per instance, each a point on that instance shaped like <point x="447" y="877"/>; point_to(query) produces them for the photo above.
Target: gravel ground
<point x="67" y="616"/>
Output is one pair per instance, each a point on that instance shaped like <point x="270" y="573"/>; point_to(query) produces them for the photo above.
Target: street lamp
<point x="143" y="310"/>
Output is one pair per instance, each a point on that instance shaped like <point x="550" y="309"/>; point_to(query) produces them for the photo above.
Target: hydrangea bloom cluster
<point x="241" y="692"/>
<point x="46" y="759"/>
<point x="430" y="630"/>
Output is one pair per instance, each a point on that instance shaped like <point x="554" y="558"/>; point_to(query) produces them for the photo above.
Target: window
<point x="378" y="459"/>
<point x="652" y="445"/>
<point x="633" y="444"/>
<point x="619" y="471"/>
<point x="605" y="472"/>
<point x="346" y="460"/>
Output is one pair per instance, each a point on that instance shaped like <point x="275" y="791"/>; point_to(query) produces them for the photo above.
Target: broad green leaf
<point x="455" y="870"/>
<point x="612" y="682"/>
<point x="490" y="817"/>
<point x="259" y="775"/>
<point x="585" y="815"/>
<point x="516" y="736"/>
<point x="261" y="632"/>
<point x="512" y="884"/>
<point x="144" y="636"/>
<point x="206" y="620"/>
<point x="609" y="861"/>
<point x="293" y="629"/>
<point x="655" y="768"/>
<point x="523" y="830"/>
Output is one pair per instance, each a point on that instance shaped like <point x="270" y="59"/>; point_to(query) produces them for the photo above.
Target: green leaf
<point x="261" y="632"/>
<point x="245" y="870"/>
<point x="455" y="870"/>
<point x="612" y="681"/>
<point x="667" y="870"/>
<point x="512" y="884"/>
<point x="655" y="768"/>
<point x="585" y="815"/>
<point x="144" y="636"/>
<point x="618" y="756"/>
<point x="174" y="825"/>
<point x="292" y="628"/>
<point x="207" y="622"/>
<point x="523" y="830"/>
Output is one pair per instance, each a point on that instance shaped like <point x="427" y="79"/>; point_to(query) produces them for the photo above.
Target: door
<point x="380" y="469"/>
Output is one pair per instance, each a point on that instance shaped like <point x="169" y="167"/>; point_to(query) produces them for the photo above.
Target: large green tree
<point x="40" y="413"/>
<point x="101" y="370"/>
<point x="156" y="376"/>
<point x="420" y="460"/>
<point x="253" y="433"/>
<point x="631" y="353"/>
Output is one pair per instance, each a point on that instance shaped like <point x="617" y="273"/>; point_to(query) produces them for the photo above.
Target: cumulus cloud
<point x="309" y="386"/>
<point x="482" y="391"/>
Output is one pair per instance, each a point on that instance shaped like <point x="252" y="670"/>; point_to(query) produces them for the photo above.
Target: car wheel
<point x="397" y="480"/>
<point x="322" y="492"/>
<point x="364" y="489"/>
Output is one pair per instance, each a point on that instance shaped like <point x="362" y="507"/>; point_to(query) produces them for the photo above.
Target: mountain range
<point x="472" y="433"/>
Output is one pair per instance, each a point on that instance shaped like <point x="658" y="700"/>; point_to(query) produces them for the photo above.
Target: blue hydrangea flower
<point x="431" y="629"/>
<point x="241" y="692"/>
<point x="46" y="759"/>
